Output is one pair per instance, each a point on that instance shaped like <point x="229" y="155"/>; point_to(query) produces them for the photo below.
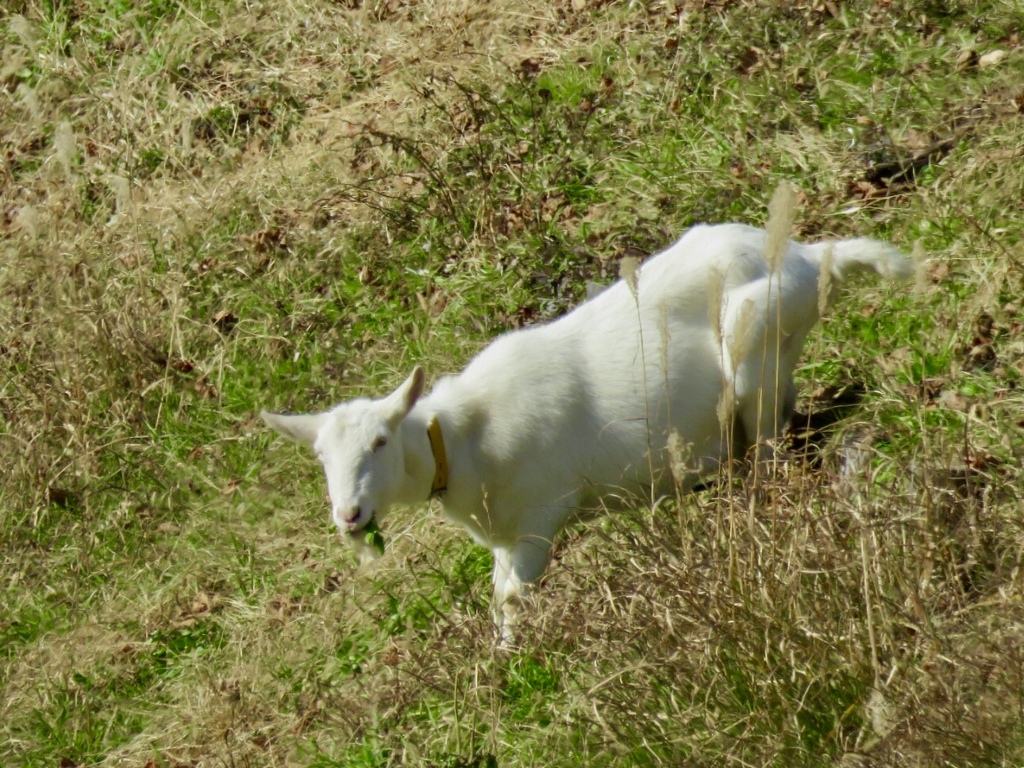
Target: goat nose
<point x="349" y="517"/>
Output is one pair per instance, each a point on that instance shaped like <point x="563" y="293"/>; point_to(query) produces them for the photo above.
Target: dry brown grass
<point x="210" y="207"/>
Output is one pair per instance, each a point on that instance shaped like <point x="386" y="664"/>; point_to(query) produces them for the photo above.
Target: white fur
<point x="564" y="417"/>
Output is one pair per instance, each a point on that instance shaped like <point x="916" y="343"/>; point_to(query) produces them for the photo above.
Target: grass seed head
<point x="781" y="213"/>
<point x="629" y="270"/>
<point x="30" y="99"/>
<point x="22" y="27"/>
<point x="680" y="457"/>
<point x="66" y="147"/>
<point x="741" y="338"/>
<point x="726" y="410"/>
<point x="122" y="194"/>
<point x="28" y="220"/>
<point x="922" y="280"/>
<point x="825" y="280"/>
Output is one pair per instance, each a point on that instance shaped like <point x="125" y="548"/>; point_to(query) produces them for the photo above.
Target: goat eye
<point x="379" y="443"/>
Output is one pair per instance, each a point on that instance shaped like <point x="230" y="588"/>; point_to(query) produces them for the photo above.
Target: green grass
<point x="213" y="207"/>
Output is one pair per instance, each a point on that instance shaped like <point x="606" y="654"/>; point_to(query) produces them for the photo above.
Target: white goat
<point x="578" y="414"/>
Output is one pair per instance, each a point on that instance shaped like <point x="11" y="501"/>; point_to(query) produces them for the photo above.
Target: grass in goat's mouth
<point x="372" y="535"/>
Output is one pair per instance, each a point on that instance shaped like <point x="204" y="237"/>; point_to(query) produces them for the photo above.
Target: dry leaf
<point x="966" y="59"/>
<point x="201" y="603"/>
<point x="937" y="271"/>
<point x="206" y="389"/>
<point x="953" y="400"/>
<point x="225" y="320"/>
<point x="991" y="59"/>
<point x="529" y="67"/>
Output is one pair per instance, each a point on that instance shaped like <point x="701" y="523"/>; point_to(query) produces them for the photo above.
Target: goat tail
<point x="863" y="253"/>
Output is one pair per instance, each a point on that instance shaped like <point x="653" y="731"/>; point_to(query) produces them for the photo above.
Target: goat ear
<point x="398" y="404"/>
<point x="300" y="427"/>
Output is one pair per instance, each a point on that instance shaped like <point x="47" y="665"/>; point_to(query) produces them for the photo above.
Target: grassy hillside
<point x="213" y="207"/>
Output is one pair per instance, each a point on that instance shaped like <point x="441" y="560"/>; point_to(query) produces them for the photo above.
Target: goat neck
<point x="420" y="462"/>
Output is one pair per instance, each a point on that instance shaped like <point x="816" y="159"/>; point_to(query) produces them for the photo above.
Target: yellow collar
<point x="440" y="457"/>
